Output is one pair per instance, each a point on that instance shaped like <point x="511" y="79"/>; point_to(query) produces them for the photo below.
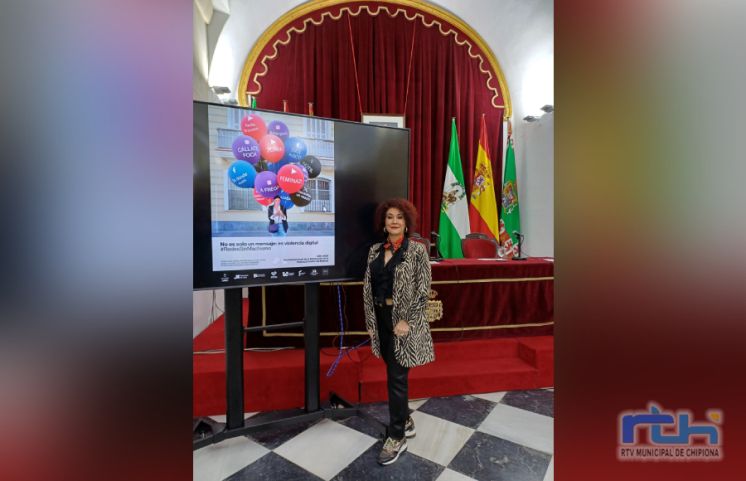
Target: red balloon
<point x="291" y="178"/>
<point x="272" y="148"/>
<point x="253" y="126"/>
<point x="261" y="199"/>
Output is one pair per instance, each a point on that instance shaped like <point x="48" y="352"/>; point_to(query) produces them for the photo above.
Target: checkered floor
<point x="495" y="436"/>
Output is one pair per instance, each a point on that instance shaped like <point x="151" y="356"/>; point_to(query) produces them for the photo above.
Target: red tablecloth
<point x="481" y="298"/>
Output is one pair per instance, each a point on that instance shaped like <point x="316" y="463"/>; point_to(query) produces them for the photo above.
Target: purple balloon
<point x="246" y="148"/>
<point x="303" y="169"/>
<point x="266" y="184"/>
<point x="279" y="129"/>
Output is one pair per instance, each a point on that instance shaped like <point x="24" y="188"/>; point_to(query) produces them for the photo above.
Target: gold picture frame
<point x="385" y="120"/>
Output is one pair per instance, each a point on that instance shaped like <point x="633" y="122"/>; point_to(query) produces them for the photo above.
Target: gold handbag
<point x="433" y="309"/>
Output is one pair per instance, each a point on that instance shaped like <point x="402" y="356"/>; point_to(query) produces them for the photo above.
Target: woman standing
<point x="278" y="215"/>
<point x="395" y="292"/>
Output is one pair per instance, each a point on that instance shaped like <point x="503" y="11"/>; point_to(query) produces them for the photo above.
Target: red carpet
<point x="274" y="380"/>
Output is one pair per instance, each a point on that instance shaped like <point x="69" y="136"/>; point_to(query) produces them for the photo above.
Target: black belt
<point x="383" y="302"/>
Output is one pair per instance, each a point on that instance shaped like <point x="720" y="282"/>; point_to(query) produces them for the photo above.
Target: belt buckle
<point x="383" y="302"/>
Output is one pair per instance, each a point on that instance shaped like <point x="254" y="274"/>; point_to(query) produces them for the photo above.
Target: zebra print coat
<point x="411" y="291"/>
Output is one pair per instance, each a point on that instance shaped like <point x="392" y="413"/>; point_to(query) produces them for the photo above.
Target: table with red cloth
<point x="481" y="299"/>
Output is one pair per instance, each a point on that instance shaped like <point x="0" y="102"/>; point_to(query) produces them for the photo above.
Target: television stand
<point x="206" y="431"/>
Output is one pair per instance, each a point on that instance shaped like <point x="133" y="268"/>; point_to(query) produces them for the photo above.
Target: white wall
<point x="247" y="21"/>
<point x="202" y="303"/>
<point x="534" y="145"/>
<point x="521" y="35"/>
<point x="200" y="88"/>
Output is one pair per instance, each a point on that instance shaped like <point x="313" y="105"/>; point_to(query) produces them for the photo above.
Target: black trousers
<point x="397" y="376"/>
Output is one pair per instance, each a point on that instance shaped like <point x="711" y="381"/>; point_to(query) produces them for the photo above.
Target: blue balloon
<point x="285" y="200"/>
<point x="295" y="149"/>
<point x="242" y="174"/>
<point x="278" y="165"/>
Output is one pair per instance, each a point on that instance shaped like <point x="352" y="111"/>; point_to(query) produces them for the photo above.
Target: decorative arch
<point x="401" y="57"/>
<point x="315" y="12"/>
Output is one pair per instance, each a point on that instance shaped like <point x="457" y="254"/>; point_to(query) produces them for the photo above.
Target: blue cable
<point x="342" y="349"/>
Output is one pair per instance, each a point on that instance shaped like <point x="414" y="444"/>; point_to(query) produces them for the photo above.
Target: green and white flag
<point x="510" y="216"/>
<point x="454" y="213"/>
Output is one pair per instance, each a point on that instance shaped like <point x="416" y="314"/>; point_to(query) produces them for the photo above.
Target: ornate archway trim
<point x="454" y="27"/>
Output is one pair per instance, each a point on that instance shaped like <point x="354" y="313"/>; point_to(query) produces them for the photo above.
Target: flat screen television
<point x="283" y="198"/>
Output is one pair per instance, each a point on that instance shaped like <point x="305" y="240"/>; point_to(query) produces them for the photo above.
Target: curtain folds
<point x="318" y="65"/>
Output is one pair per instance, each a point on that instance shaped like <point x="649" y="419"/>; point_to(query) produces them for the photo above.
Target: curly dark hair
<point x="406" y="207"/>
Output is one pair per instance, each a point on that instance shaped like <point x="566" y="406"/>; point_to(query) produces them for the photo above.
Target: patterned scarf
<point x="393" y="245"/>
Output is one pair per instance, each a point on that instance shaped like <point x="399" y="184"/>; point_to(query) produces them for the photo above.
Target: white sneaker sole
<point x="410" y="434"/>
<point x="395" y="457"/>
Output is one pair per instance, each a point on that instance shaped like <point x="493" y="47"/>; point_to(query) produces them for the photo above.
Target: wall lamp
<point x="533" y="118"/>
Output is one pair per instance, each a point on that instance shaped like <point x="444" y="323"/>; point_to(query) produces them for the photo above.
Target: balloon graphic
<point x="313" y="165"/>
<point x="301" y="198"/>
<point x="279" y="129"/>
<point x="304" y="170"/>
<point x="266" y="184"/>
<point x="273" y="228"/>
<point x="290" y="178"/>
<point x="277" y="166"/>
<point x="262" y="200"/>
<point x="242" y="174"/>
<point x="272" y="148"/>
<point x="296" y="149"/>
<point x="253" y="126"/>
<point x="246" y="148"/>
<point x="285" y="200"/>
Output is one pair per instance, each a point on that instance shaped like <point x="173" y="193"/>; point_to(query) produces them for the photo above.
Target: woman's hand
<point x="401" y="328"/>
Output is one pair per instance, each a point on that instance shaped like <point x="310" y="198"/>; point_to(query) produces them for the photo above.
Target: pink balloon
<point x="272" y="148"/>
<point x="261" y="199"/>
<point x="290" y="178"/>
<point x="253" y="126"/>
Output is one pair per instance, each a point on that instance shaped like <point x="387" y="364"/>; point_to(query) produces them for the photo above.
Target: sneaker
<point x="409" y="430"/>
<point x="391" y="450"/>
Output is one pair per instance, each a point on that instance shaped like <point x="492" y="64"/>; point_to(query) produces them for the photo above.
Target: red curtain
<point x="399" y="66"/>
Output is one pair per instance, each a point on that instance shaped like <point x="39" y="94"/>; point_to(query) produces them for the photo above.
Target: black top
<point x="382" y="276"/>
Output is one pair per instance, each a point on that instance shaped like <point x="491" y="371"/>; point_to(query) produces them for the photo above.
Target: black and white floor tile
<point x="492" y="436"/>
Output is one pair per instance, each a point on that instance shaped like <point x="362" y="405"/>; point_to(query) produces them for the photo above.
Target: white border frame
<point x="386" y="120"/>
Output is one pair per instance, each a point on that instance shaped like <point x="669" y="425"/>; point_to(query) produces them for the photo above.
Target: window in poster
<point x="385" y="120"/>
